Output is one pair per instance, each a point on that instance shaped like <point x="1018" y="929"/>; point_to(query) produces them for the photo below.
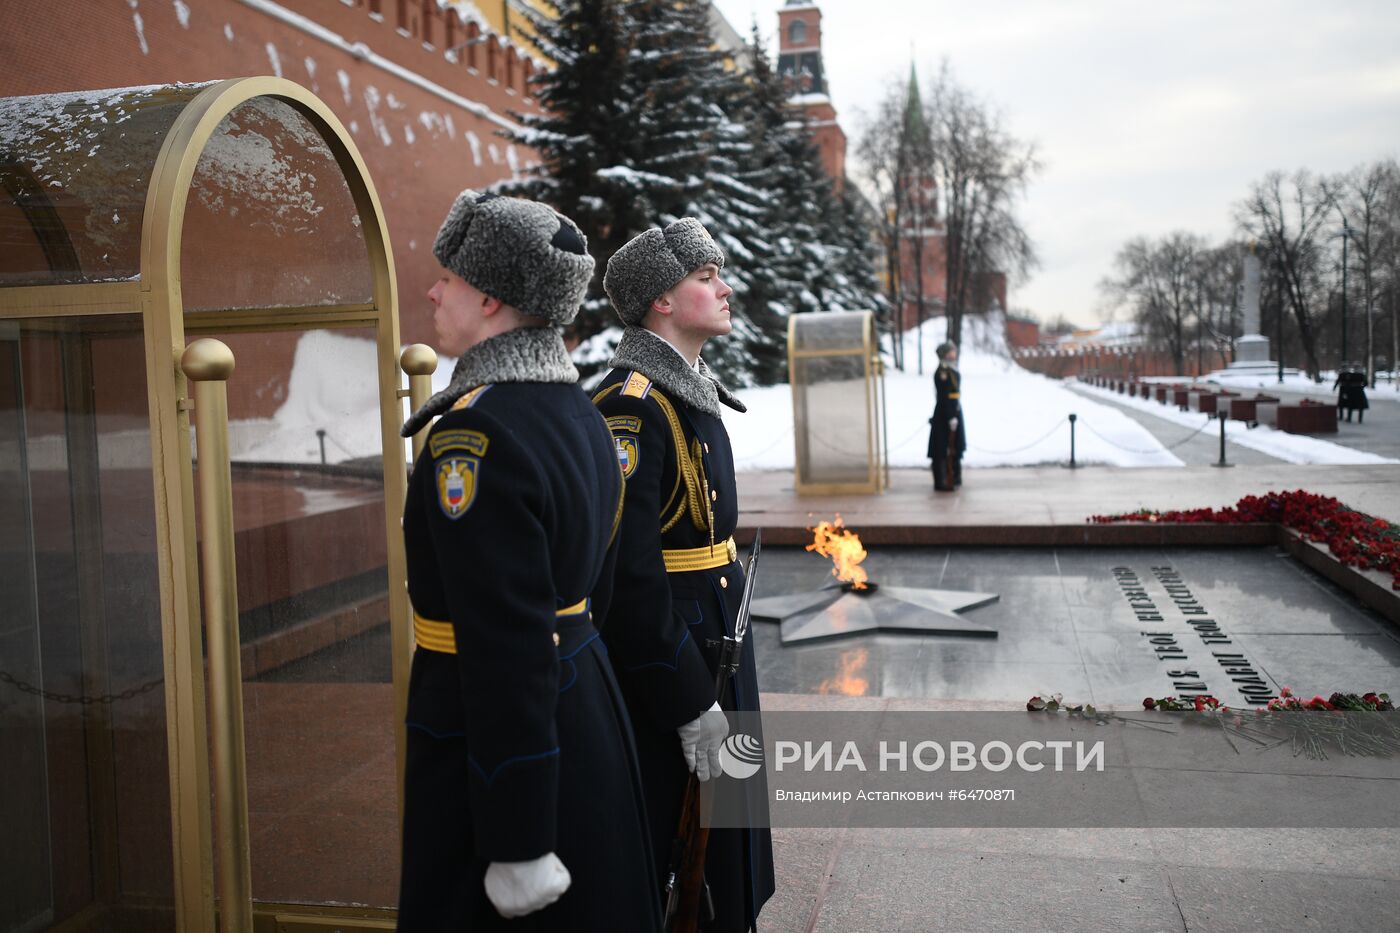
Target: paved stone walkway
<point x="1013" y="497"/>
<point x="1201" y="449"/>
<point x="1378" y="434"/>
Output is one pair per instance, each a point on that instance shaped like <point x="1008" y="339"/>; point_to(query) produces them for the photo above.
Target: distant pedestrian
<point x="1351" y="394"/>
<point x="948" y="438"/>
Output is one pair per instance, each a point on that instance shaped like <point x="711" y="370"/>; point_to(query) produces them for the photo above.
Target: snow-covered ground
<point x="332" y="388"/>
<point x="1013" y="417"/>
<point x="1294" y="448"/>
<point x="1296" y="382"/>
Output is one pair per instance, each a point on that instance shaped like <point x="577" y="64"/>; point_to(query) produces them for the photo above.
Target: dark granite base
<point x="1065" y="625"/>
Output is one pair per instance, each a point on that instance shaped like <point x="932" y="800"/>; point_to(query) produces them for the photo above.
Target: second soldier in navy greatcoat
<point x="947" y="439"/>
<point x="678" y="583"/>
<point x="522" y="794"/>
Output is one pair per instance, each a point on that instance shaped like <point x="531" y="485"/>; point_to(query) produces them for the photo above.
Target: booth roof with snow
<point x="132" y="221"/>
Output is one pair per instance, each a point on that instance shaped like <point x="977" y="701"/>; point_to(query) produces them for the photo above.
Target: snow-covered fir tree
<point x="849" y="228"/>
<point x="584" y="138"/>
<point x="685" y="100"/>
<point x="643" y="124"/>
<point x="783" y="161"/>
<point x="823" y="247"/>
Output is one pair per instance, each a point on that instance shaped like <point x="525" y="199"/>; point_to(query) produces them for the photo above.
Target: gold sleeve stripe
<point x="436" y="635"/>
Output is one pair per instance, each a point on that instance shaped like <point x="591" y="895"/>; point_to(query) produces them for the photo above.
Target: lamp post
<point x="1346" y="234"/>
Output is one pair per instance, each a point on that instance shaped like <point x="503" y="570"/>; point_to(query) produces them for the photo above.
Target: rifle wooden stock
<point x="686" y="891"/>
<point x="688" y="866"/>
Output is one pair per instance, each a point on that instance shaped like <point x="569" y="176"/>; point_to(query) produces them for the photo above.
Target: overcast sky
<point x="1149" y="117"/>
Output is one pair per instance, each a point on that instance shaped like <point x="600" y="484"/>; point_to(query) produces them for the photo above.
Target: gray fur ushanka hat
<point x="520" y="252"/>
<point x="652" y="262"/>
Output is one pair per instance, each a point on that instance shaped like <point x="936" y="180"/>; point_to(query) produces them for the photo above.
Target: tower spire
<point x="914" y="125"/>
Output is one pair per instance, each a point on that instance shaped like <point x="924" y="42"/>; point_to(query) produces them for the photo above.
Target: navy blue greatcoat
<point x="661" y="627"/>
<point x="946" y="445"/>
<point x="519" y="743"/>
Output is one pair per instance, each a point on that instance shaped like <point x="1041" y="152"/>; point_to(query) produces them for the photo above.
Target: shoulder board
<point x="468" y="400"/>
<point x="636" y="386"/>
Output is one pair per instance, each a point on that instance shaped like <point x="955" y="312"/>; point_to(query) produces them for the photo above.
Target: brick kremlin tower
<point x="800" y="65"/>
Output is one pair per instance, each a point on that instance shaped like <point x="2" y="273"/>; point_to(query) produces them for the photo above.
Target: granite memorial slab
<point x="1100" y="625"/>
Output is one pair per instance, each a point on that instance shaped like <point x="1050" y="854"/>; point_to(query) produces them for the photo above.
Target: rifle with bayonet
<point x="686" y="895"/>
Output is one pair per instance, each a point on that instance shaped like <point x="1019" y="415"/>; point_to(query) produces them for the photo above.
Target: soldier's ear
<point x="490" y="306"/>
<point x="661" y="304"/>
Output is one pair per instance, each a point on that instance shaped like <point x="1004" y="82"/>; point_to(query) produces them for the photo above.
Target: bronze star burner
<point x="855" y="606"/>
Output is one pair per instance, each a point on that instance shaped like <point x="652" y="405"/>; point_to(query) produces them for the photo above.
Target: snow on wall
<point x="140" y="25"/>
<point x="467" y="12"/>
<point x="274" y="59"/>
<point x="376" y="122"/>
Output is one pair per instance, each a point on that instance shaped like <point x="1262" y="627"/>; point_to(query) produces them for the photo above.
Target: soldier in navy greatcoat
<point x="678" y="584"/>
<point x="522" y="793"/>
<point x="947" y="439"/>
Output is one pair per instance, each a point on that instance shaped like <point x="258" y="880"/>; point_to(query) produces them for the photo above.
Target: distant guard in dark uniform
<point x="678" y="583"/>
<point x="522" y="794"/>
<point x="1351" y="395"/>
<point x="947" y="440"/>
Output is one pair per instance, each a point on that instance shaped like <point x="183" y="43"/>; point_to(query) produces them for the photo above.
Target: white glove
<point x="700" y="742"/>
<point x="519" y="888"/>
<point x="952" y="424"/>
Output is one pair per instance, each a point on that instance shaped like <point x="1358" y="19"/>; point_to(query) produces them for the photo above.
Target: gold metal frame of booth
<point x="157" y="298"/>
<point x="876" y="441"/>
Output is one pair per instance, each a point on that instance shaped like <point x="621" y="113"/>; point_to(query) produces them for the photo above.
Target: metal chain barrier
<point x="781" y="437"/>
<point x="828" y="445"/>
<point x="918" y="432"/>
<point x="105" y="699"/>
<point x="1017" y="450"/>
<point x="1134" y="450"/>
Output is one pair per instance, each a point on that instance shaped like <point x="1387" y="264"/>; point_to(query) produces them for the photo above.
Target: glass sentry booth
<point x="203" y="662"/>
<point x="838" y="404"/>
